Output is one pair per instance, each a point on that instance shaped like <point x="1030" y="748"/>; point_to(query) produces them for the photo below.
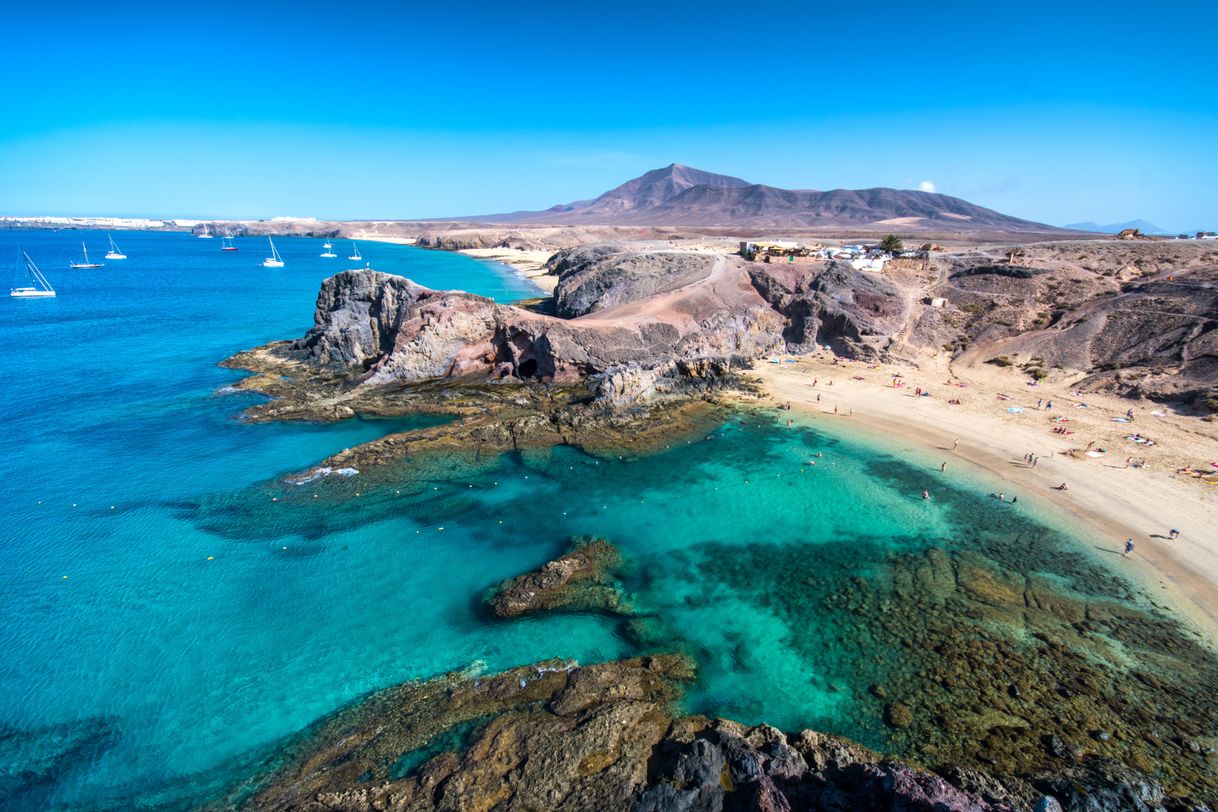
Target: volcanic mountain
<point x="679" y="195"/>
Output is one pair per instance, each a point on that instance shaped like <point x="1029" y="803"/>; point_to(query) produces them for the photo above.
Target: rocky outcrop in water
<point x="581" y="580"/>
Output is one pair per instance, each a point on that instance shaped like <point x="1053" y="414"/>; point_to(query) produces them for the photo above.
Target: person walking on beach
<point x="1174" y="534"/>
<point x="1039" y="402"/>
<point x="956" y="444"/>
<point x="1048" y="406"/>
<point x="1035" y="460"/>
<point x="942" y="467"/>
<point x="1128" y="547"/>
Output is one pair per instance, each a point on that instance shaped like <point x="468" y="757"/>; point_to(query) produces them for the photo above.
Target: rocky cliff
<point x="380" y="329"/>
<point x="636" y="320"/>
<point x="854" y="313"/>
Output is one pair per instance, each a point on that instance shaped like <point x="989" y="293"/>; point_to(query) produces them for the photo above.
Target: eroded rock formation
<point x="381" y="329"/>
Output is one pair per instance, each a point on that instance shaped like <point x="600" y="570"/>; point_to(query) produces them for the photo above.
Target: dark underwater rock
<point x="581" y="580"/>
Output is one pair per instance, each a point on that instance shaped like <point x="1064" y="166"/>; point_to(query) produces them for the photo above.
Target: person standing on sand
<point x="956" y="444"/>
<point x="818" y="397"/>
<point x="1048" y="406"/>
<point x="835" y="408"/>
<point x="1128" y="547"/>
<point x="942" y="467"/>
<point x="1035" y="460"/>
<point x="1039" y="401"/>
<point x="1174" y="534"/>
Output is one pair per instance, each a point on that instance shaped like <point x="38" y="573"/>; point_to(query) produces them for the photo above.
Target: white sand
<point x="1106" y="499"/>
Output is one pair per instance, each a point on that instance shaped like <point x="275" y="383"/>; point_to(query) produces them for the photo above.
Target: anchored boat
<point x="39" y="288"/>
<point x="274" y="260"/>
<point x="84" y="264"/>
<point x="114" y="253"/>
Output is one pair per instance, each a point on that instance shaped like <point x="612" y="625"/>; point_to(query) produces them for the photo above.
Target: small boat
<point x="226" y="242"/>
<point x="40" y="289"/>
<point x="206" y="235"/>
<point x="355" y="254"/>
<point x="329" y="252"/>
<point x="327" y="244"/>
<point x="85" y="264"/>
<point x="114" y="253"/>
<point x="274" y="260"/>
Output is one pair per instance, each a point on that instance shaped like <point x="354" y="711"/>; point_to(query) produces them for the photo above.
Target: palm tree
<point x="891" y="244"/>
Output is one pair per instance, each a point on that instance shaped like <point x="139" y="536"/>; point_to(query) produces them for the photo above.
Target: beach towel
<point x="1015" y="409"/>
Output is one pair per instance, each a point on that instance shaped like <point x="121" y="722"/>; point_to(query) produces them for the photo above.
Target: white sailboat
<point x="40" y="289"/>
<point x="327" y="244"/>
<point x="114" y="253"/>
<point x="355" y="254"/>
<point x="85" y="264"/>
<point x="226" y="242"/>
<point x="329" y="252"/>
<point x="206" y="235"/>
<point x="274" y="260"/>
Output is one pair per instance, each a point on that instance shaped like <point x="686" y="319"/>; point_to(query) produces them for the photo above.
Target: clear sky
<point x="1058" y="112"/>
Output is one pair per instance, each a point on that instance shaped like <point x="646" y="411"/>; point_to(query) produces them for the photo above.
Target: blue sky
<point x="1056" y="112"/>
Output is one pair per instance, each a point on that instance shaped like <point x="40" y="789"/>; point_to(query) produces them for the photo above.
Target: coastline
<point x="529" y="264"/>
<point x="1105" y="500"/>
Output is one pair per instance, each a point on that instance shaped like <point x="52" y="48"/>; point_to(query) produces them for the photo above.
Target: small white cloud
<point x="927" y="186"/>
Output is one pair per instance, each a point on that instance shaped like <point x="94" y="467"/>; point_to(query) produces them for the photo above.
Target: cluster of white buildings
<point x="117" y="223"/>
<point x="861" y="256"/>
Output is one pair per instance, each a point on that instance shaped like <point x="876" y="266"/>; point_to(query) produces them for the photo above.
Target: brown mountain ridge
<point x="679" y="195"/>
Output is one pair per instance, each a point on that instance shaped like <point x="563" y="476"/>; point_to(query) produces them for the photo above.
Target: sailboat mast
<point x="35" y="272"/>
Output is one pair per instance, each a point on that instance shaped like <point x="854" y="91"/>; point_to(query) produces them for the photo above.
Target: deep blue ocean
<point x="163" y="621"/>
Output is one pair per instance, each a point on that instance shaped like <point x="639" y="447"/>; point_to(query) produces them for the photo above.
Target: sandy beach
<point x="1106" y="500"/>
<point x="529" y="264"/>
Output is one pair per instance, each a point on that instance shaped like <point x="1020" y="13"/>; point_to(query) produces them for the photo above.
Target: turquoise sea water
<point x="152" y="675"/>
